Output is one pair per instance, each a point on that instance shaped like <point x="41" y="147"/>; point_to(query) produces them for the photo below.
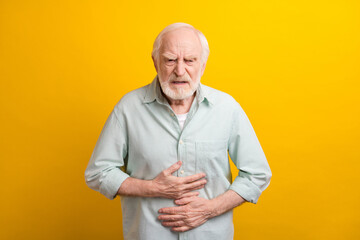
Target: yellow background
<point x="292" y="65"/>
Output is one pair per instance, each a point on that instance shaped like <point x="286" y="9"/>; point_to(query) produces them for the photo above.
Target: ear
<point x="203" y="68"/>
<point x="155" y="64"/>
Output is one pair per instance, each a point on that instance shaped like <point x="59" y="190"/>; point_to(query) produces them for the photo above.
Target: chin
<point x="178" y="95"/>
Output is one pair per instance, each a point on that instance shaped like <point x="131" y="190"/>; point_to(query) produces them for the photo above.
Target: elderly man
<point x="164" y="149"/>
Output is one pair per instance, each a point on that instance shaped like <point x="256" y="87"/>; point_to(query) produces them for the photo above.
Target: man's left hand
<point x="191" y="213"/>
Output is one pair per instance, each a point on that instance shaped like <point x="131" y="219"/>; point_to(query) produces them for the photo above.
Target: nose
<point x="180" y="68"/>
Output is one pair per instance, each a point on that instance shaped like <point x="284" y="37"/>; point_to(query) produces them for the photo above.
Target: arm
<point x="164" y="185"/>
<point x="253" y="177"/>
<point x="104" y="172"/>
<point x="194" y="211"/>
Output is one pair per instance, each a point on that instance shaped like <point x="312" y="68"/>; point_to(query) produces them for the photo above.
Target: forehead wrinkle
<point x="179" y="45"/>
<point x="168" y="55"/>
<point x="191" y="56"/>
<point x="180" y="50"/>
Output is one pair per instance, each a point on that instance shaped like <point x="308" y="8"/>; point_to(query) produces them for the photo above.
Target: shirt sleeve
<point x="103" y="172"/>
<point x="246" y="153"/>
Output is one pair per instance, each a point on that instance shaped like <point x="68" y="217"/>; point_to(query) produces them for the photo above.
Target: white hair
<point x="158" y="41"/>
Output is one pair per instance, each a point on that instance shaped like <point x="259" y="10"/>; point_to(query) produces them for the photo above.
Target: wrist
<point x="213" y="206"/>
<point x="152" y="188"/>
<point x="136" y="188"/>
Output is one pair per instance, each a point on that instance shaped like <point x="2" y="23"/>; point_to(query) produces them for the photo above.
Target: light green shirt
<point x="142" y="137"/>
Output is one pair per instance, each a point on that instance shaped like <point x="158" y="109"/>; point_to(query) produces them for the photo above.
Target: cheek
<point x="194" y="72"/>
<point x="166" y="71"/>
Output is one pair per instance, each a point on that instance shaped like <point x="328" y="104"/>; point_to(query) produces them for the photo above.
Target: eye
<point x="170" y="61"/>
<point x="189" y="60"/>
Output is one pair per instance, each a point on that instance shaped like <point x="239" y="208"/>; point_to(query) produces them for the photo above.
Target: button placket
<point x="181" y="152"/>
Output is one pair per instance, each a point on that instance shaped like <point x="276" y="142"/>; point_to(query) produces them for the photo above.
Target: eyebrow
<point x="169" y="55"/>
<point x="173" y="56"/>
<point x="191" y="57"/>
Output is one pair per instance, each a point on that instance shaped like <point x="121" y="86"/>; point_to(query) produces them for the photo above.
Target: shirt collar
<point x="153" y="93"/>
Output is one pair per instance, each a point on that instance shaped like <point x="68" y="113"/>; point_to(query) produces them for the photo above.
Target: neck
<point x="181" y="106"/>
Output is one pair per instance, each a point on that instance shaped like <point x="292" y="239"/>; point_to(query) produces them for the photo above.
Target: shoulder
<point x="224" y="103"/>
<point x="131" y="100"/>
<point x="219" y="98"/>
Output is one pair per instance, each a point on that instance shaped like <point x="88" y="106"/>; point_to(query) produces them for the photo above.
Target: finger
<point x="195" y="185"/>
<point x="173" y="224"/>
<point x="180" y="229"/>
<point x="189" y="194"/>
<point x="171" y="210"/>
<point x="184" y="201"/>
<point x="169" y="218"/>
<point x="173" y="168"/>
<point x="197" y="188"/>
<point x="194" y="177"/>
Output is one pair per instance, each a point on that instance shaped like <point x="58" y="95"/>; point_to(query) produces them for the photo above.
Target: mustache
<point x="184" y="78"/>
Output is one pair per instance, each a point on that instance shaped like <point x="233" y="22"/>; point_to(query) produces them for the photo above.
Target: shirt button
<point x="181" y="142"/>
<point x="172" y="114"/>
<point x="182" y="172"/>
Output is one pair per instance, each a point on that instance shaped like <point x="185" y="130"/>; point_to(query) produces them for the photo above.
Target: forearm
<point x="163" y="185"/>
<point x="225" y="202"/>
<point x="136" y="188"/>
<point x="152" y="188"/>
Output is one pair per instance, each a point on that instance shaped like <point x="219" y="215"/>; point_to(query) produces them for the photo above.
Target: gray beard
<point x="180" y="93"/>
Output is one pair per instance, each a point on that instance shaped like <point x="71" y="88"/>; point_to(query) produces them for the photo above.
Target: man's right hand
<point x="168" y="186"/>
<point x="164" y="185"/>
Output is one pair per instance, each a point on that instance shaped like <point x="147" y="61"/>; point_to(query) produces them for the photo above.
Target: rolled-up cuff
<point x="246" y="189"/>
<point x="112" y="182"/>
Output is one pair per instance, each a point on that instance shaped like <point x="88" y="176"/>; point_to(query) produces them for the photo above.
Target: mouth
<point x="179" y="82"/>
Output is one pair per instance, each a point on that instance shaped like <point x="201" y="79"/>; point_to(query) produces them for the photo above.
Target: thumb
<point x="173" y="168"/>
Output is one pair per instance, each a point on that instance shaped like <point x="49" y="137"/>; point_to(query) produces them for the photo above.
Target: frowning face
<point x="179" y="66"/>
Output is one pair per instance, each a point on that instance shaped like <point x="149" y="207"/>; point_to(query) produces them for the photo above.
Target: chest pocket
<point x="212" y="157"/>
